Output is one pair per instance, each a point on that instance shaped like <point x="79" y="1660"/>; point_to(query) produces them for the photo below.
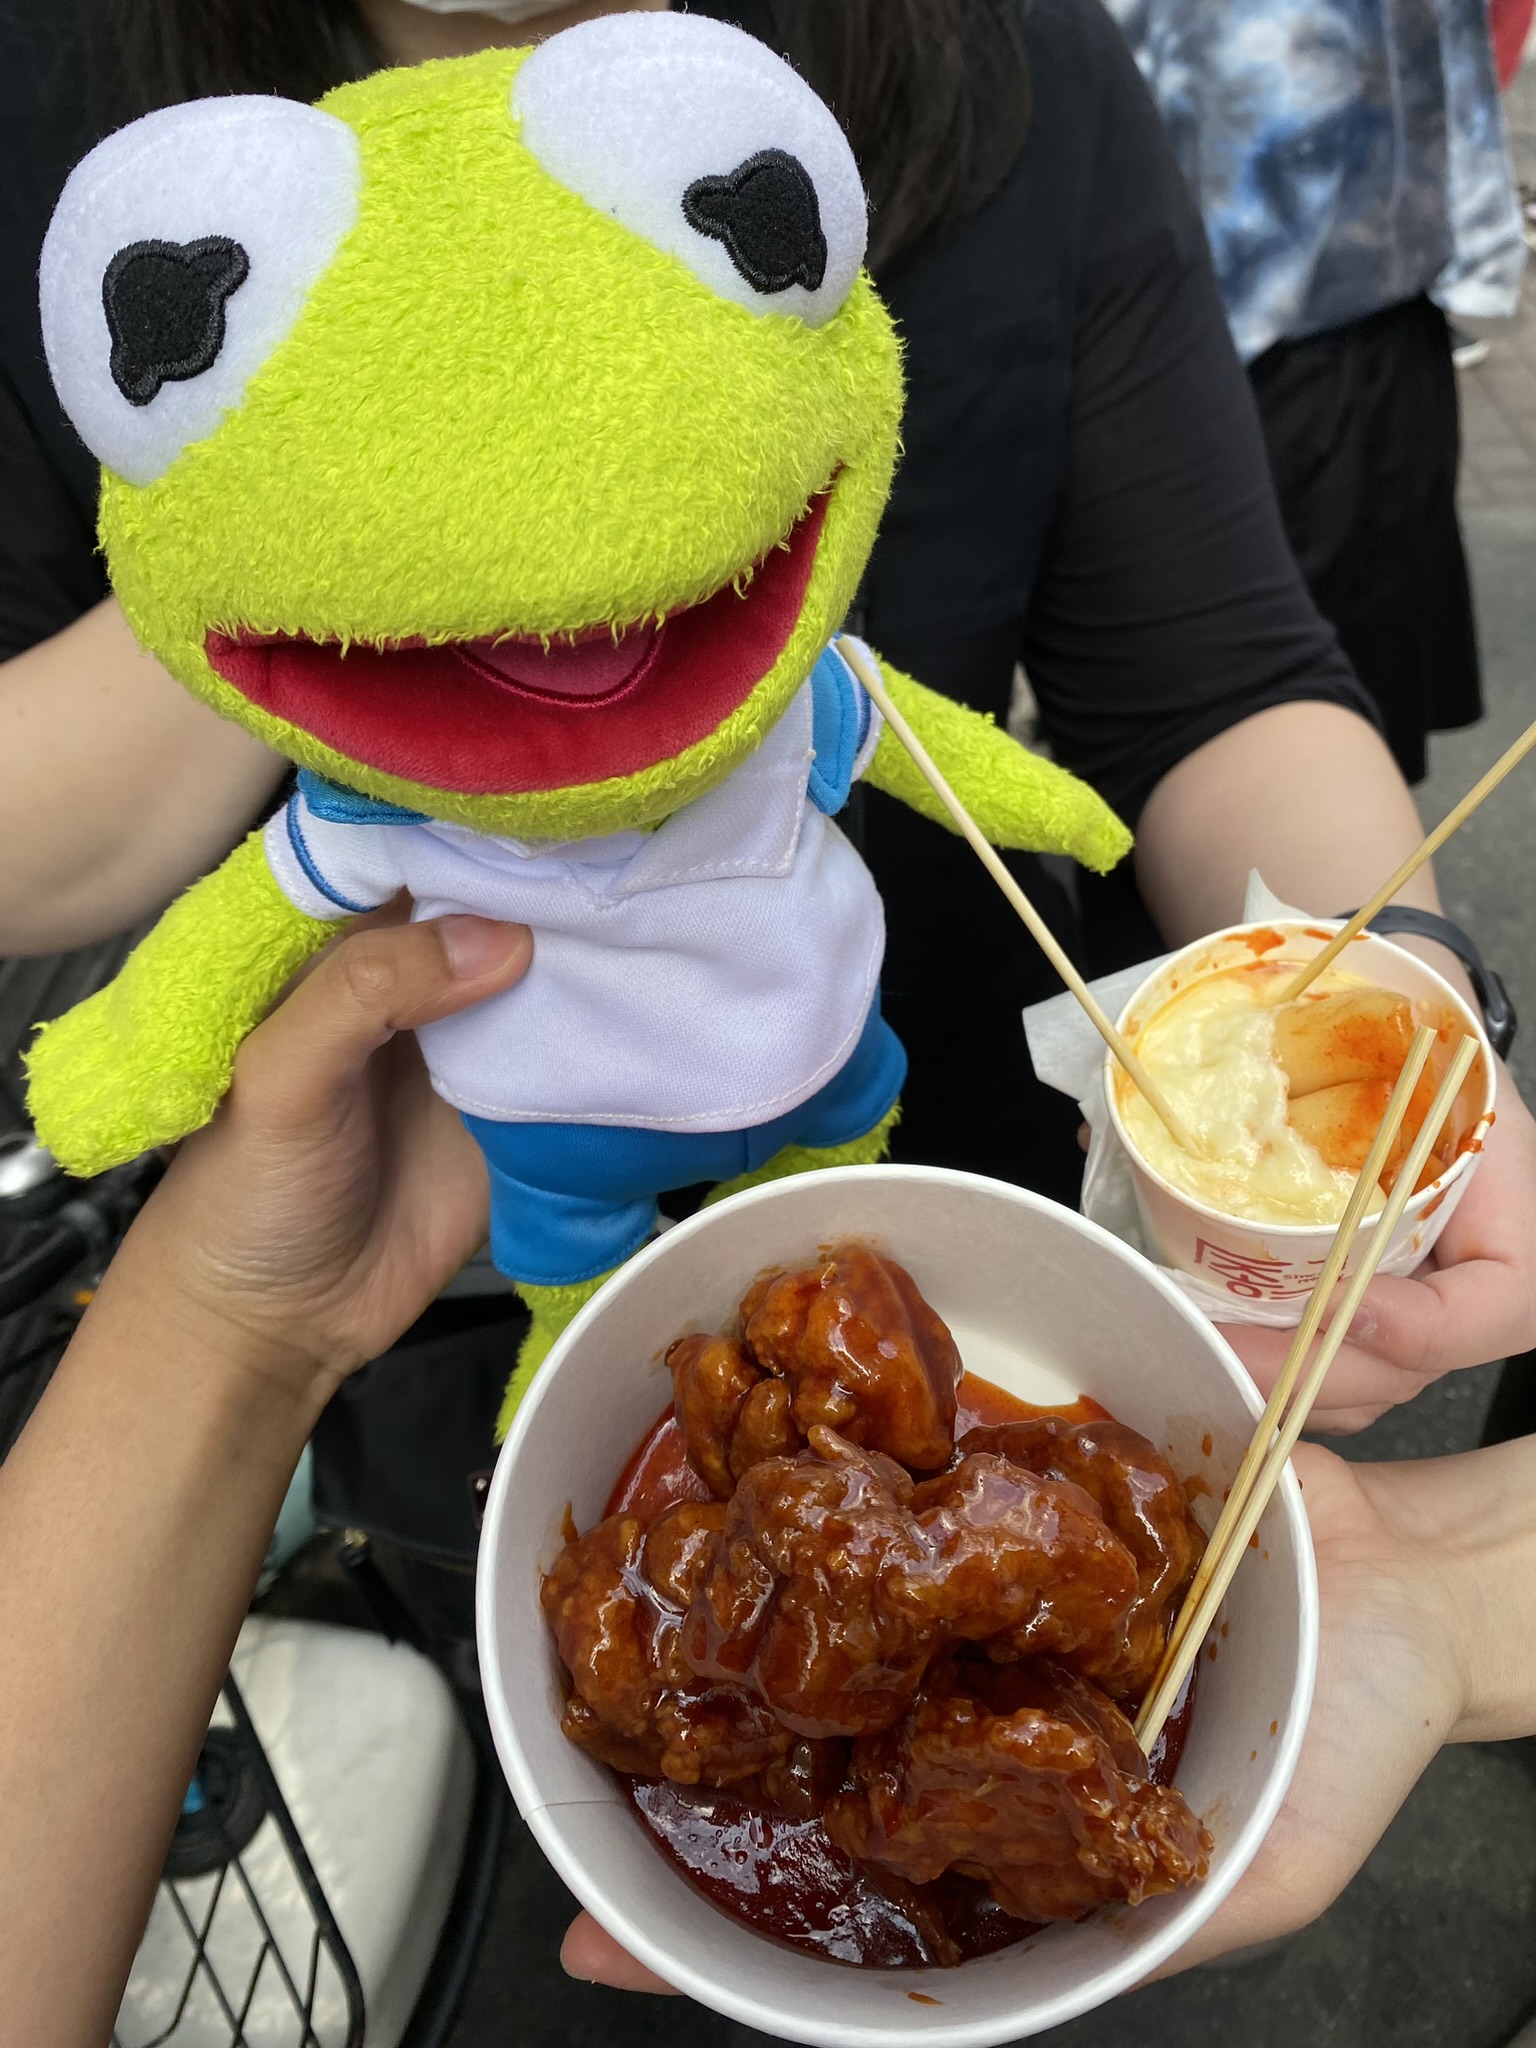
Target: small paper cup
<point x="1277" y="1263"/>
<point x="1041" y="1302"/>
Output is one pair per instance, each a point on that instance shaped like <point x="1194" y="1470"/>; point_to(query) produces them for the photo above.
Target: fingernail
<point x="477" y="946"/>
<point x="1363" y="1326"/>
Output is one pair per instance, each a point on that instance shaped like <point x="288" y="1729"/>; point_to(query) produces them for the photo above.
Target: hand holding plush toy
<point x="503" y="441"/>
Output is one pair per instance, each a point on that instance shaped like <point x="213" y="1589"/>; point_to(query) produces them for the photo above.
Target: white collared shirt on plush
<point x="706" y="976"/>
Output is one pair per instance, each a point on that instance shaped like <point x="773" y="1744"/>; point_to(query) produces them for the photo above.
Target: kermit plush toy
<point x="503" y="441"/>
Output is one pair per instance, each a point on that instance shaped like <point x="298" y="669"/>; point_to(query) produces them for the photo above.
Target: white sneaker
<point x="1468" y="350"/>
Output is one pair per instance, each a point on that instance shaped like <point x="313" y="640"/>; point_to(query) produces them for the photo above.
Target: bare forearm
<point x="134" y="1512"/>
<point x="312" y="1221"/>
<point x="120" y="788"/>
<point x="1306" y="793"/>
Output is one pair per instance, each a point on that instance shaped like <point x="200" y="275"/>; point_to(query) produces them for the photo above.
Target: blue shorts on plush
<point x="571" y="1201"/>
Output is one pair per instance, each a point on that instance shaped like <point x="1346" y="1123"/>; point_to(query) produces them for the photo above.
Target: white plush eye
<point x="180" y="254"/>
<point x="699" y="138"/>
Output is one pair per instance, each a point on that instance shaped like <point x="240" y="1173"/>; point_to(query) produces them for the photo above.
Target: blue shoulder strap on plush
<point x="340" y="806"/>
<point x="839" y="728"/>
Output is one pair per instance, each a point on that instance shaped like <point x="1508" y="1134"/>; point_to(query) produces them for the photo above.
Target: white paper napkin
<point x="1069" y="1055"/>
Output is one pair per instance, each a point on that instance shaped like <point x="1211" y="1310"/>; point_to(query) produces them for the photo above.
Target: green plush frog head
<point x="503" y="437"/>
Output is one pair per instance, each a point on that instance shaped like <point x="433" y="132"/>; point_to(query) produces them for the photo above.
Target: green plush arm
<point x="147" y="1059"/>
<point x="1016" y="798"/>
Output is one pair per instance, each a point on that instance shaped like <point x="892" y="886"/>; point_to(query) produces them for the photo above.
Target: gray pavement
<point x="1434" y="1945"/>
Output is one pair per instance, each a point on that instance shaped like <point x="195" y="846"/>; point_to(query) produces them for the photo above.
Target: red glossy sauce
<point x="980" y="1405"/>
<point x="658" y="1476"/>
<point x="1168" y="1751"/>
<point x="784" y="1877"/>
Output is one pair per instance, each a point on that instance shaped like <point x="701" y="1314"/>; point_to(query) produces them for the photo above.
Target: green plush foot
<point x="866" y="1151"/>
<point x="552" y="1308"/>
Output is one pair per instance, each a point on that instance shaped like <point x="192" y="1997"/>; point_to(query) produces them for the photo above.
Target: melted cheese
<point x="1211" y="1050"/>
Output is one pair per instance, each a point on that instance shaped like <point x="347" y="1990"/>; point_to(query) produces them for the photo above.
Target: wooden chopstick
<point x="1044" y="937"/>
<point x="1201" y="1613"/>
<point x="1451" y="822"/>
<point x="1263" y="1437"/>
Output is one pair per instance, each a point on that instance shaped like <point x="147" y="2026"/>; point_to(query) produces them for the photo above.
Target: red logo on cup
<point x="1253" y="1278"/>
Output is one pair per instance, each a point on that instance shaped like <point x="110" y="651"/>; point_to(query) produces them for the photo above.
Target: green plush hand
<point x="1017" y="799"/>
<point x="148" y="1058"/>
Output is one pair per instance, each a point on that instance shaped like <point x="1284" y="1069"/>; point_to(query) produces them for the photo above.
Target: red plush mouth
<point x="511" y="716"/>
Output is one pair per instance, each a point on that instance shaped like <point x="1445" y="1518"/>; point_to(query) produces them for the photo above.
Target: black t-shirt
<point x="49" y="569"/>
<point x="1083" y="491"/>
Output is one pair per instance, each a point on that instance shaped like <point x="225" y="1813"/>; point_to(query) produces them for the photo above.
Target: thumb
<point x="376" y="982"/>
<point x="596" y="1958"/>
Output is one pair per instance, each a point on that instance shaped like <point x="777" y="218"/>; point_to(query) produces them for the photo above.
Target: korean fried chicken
<point x="918" y="1643"/>
<point x="1138" y="1494"/>
<point x="848" y="1343"/>
<point x="614" y="1600"/>
<point x="1028" y="1778"/>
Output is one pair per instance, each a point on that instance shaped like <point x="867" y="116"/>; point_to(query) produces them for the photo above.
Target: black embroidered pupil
<point x="768" y="216"/>
<point x="164" y="303"/>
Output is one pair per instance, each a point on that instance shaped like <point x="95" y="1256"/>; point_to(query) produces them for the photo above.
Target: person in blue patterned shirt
<point x="1350" y="163"/>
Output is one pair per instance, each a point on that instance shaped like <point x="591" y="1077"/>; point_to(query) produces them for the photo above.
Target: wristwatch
<point x="1499" y="1017"/>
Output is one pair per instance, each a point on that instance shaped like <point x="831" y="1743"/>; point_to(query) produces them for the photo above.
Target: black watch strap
<point x="1499" y="1017"/>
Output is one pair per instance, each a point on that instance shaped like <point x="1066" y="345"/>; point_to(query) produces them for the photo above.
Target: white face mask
<point x="499" y="10"/>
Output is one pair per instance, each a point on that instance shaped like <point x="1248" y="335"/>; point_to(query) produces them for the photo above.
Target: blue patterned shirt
<point x="1346" y="154"/>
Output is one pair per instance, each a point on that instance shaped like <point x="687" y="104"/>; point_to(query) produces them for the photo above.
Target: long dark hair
<point x="153" y="53"/>
<point x="934" y="94"/>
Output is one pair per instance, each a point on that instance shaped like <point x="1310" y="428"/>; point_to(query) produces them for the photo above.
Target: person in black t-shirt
<point x="1083" y="494"/>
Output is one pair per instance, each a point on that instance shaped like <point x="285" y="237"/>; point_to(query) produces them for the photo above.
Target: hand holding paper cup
<point x="1288" y="1097"/>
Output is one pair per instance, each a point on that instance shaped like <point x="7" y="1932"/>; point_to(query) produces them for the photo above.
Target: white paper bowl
<point x="1041" y="1302"/>
<point x="1277" y="1263"/>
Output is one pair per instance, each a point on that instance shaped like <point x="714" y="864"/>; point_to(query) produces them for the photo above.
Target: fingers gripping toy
<point x="503" y="441"/>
